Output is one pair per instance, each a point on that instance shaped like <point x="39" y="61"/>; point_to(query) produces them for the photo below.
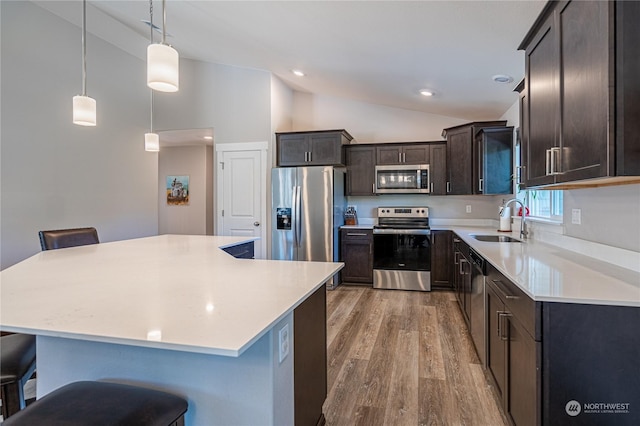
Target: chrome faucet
<point x="523" y="229"/>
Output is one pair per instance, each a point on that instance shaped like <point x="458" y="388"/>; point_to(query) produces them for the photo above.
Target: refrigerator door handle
<point x="298" y="222"/>
<point x="294" y="215"/>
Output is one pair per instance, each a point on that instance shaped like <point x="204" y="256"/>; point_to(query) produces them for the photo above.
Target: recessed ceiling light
<point x="425" y="92"/>
<point x="209" y="138"/>
<point x="502" y="78"/>
<point x="298" y="73"/>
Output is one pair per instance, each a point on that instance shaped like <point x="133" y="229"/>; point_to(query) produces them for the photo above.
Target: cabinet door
<point x="438" y="168"/>
<point x="415" y="154"/>
<point x="292" y="150"/>
<point x="495" y="342"/>
<point x="441" y="252"/>
<point x="310" y="360"/>
<point x="389" y="154"/>
<point x="357" y="255"/>
<point x="325" y="149"/>
<point x="361" y="163"/>
<point x="584" y="74"/>
<point x="542" y="64"/>
<point x="522" y="378"/>
<point x="459" y="161"/>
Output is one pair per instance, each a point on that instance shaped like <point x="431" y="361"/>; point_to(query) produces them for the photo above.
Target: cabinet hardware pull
<point x="448" y="186"/>
<point x="404" y="157"/>
<point x="555" y="161"/>
<point x="456" y="257"/>
<point x="519" y="171"/>
<point x="480" y="182"/>
<point x="462" y="261"/>
<point x="356" y="234"/>
<point x="547" y="162"/>
<point x="310" y="154"/>
<point x="373" y="188"/>
<point x="501" y="317"/>
<point x="456" y="240"/>
<point x="431" y="187"/>
<point x="502" y="287"/>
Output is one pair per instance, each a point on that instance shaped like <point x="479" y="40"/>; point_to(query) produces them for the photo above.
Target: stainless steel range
<point x="402" y="249"/>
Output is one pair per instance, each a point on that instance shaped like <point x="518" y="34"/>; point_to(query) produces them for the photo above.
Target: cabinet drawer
<point x="516" y="301"/>
<point x="357" y="234"/>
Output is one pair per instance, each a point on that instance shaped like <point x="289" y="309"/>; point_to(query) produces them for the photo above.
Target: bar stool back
<point x="103" y="404"/>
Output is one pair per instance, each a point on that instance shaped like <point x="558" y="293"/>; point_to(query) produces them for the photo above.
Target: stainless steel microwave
<point x="402" y="179"/>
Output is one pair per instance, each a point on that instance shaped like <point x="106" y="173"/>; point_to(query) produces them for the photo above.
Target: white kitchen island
<point x="170" y="312"/>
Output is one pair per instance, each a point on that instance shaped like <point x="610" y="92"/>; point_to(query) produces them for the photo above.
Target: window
<point x="544" y="204"/>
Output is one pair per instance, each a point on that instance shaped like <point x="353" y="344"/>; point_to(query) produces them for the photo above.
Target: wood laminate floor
<point x="403" y="358"/>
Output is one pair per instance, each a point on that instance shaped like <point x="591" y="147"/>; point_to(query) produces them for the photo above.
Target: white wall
<point x="55" y="174"/>
<point x="367" y="123"/>
<point x="196" y="217"/>
<point x="235" y="101"/>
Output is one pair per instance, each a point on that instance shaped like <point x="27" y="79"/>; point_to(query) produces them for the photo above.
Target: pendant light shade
<point x="84" y="107"/>
<point x="162" y="68"/>
<point x="163" y="61"/>
<point x="84" y="111"/>
<point x="151" y="142"/>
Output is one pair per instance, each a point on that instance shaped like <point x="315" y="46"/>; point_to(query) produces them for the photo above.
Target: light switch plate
<point x="283" y="339"/>
<point x="576" y="216"/>
<point x="468" y="208"/>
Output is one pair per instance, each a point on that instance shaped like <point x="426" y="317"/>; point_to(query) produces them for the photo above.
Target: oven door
<point x="402" y="259"/>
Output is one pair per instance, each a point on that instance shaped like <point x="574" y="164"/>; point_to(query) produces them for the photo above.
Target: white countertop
<point x="171" y="292"/>
<point x="551" y="274"/>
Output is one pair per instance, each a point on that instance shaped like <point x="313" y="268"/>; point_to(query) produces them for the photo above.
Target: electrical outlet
<point x="576" y="216"/>
<point x="283" y="339"/>
<point x="468" y="208"/>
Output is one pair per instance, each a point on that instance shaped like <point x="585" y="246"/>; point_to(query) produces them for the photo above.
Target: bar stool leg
<point x="12" y="398"/>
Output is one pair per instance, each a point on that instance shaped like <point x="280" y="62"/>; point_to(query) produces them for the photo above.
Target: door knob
<point x="256" y="223"/>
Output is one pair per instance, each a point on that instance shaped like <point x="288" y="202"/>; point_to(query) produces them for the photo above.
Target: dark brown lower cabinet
<point x="356" y="251"/>
<point x="513" y="352"/>
<point x="310" y="359"/>
<point x="562" y="363"/>
<point x="441" y="253"/>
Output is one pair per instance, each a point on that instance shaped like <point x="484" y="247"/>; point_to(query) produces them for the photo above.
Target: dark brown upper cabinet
<point x="393" y="153"/>
<point x="361" y="164"/>
<point x="460" y="155"/>
<point x="493" y="161"/>
<point x="580" y="104"/>
<point x="314" y="148"/>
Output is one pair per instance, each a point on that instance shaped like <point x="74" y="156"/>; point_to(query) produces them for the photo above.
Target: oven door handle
<point x="402" y="231"/>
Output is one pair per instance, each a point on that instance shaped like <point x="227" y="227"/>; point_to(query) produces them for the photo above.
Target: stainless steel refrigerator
<point x="307" y="211"/>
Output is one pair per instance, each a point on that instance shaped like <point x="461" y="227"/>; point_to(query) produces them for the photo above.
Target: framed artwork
<point x="177" y="190"/>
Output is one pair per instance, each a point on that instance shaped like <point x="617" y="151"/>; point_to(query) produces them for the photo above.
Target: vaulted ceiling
<point x="382" y="52"/>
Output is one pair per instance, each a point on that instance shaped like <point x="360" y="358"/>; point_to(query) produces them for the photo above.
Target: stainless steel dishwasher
<point x="478" y="317"/>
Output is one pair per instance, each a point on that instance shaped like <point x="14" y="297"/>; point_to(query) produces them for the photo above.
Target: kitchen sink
<point x="496" y="238"/>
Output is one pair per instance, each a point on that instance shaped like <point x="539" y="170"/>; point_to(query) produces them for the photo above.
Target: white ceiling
<point x="382" y="52"/>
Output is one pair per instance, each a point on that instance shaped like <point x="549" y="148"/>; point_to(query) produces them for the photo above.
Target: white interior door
<point x="242" y="192"/>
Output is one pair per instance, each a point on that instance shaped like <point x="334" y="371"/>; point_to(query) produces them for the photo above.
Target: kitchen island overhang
<point x="172" y="311"/>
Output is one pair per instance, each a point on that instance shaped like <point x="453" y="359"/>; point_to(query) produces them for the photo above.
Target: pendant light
<point x="84" y="107"/>
<point x="163" y="62"/>
<point x="151" y="139"/>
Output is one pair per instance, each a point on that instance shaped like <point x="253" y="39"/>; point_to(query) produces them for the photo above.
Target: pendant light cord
<point x="151" y="38"/>
<point x="164" y="21"/>
<point x="84" y="47"/>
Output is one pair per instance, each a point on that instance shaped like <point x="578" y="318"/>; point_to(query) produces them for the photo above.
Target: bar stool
<point x="19" y="350"/>
<point x="17" y="363"/>
<point x="101" y="404"/>
<point x="63" y="238"/>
